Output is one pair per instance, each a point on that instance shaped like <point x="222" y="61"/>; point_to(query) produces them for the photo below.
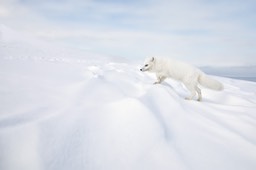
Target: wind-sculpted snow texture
<point x="81" y="112"/>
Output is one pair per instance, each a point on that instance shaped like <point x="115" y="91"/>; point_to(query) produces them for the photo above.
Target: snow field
<point x="73" y="110"/>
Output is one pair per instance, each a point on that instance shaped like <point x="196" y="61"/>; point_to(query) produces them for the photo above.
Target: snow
<point x="67" y="109"/>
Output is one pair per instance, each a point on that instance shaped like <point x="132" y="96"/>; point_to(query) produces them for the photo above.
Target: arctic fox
<point x="190" y="76"/>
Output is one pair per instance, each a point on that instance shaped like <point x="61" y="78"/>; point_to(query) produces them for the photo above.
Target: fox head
<point x="148" y="64"/>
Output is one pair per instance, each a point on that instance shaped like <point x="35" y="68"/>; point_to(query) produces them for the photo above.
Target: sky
<point x="202" y="32"/>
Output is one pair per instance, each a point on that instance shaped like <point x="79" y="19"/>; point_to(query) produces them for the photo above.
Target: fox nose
<point x="141" y="69"/>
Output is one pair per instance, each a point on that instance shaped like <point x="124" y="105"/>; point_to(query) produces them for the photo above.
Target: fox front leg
<point x="160" y="79"/>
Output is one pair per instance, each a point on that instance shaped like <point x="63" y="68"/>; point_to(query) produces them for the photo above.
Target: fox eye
<point x="146" y="65"/>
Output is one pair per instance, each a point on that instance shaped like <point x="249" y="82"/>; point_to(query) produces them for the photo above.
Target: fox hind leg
<point x="193" y="89"/>
<point x="198" y="90"/>
<point x="193" y="93"/>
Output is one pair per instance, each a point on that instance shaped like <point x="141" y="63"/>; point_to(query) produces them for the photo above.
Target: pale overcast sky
<point x="203" y="32"/>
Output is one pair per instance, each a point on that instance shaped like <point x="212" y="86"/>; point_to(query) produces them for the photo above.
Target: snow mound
<point x="73" y="111"/>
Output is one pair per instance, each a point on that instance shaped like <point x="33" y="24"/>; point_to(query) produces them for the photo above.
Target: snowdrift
<point x="74" y="110"/>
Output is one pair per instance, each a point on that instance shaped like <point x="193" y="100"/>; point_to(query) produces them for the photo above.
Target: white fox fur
<point x="189" y="75"/>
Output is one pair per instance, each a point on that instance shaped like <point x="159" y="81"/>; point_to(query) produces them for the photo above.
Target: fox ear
<point x="153" y="59"/>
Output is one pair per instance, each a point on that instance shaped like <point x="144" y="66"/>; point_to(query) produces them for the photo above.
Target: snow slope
<point x="64" y="109"/>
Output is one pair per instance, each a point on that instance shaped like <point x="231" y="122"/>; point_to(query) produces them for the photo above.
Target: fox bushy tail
<point x="210" y="83"/>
